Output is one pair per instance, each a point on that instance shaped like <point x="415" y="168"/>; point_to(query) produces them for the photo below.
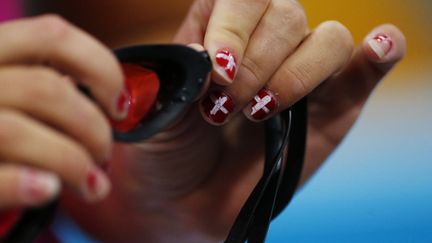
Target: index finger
<point x="230" y="27"/>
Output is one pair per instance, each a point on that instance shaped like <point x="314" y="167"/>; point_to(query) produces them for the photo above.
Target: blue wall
<point x="377" y="187"/>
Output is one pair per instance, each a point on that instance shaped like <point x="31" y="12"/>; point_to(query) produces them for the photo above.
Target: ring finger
<point x="324" y="52"/>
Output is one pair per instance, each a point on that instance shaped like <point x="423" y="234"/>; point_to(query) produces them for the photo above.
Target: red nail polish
<point x="8" y="219"/>
<point x="263" y="105"/>
<point x="96" y="185"/>
<point x="92" y="181"/>
<point x="226" y="60"/>
<point x="217" y="106"/>
<point x="123" y="102"/>
<point x="381" y="44"/>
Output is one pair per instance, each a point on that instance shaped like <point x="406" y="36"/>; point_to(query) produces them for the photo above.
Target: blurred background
<point x="377" y="186"/>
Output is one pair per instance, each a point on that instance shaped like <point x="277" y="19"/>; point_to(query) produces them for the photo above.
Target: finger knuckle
<point x="293" y="15"/>
<point x="235" y="35"/>
<point x="103" y="141"/>
<point x="261" y="4"/>
<point x="48" y="86"/>
<point x="301" y="78"/>
<point x="54" y="26"/>
<point x="10" y="126"/>
<point x="257" y="74"/>
<point x="74" y="161"/>
<point x="97" y="130"/>
<point x="339" y="35"/>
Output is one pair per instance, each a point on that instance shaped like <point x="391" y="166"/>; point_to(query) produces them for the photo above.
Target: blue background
<point x="377" y="187"/>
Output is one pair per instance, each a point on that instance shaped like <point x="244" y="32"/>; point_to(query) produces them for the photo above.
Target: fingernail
<point x="381" y="44"/>
<point x="37" y="186"/>
<point x="97" y="185"/>
<point x="123" y="103"/>
<point x="217" y="106"/>
<point x="226" y="64"/>
<point x="263" y="105"/>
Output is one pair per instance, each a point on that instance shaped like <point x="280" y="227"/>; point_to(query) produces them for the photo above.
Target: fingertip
<point x="96" y="186"/>
<point x="37" y="187"/>
<point x="225" y="65"/>
<point x="385" y="45"/>
<point x="216" y="107"/>
<point x="262" y="107"/>
<point x="122" y="105"/>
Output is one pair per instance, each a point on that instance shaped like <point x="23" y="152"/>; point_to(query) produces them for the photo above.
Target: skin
<point x="178" y="186"/>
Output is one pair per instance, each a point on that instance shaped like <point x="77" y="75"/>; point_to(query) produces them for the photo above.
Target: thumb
<point x="384" y="47"/>
<point x="380" y="51"/>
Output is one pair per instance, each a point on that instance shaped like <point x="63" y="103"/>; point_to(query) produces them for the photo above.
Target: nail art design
<point x="92" y="181"/>
<point x="96" y="186"/>
<point x="218" y="106"/>
<point x="263" y="105"/>
<point x="381" y="44"/>
<point x="124" y="102"/>
<point x="37" y="186"/>
<point x="32" y="188"/>
<point x="226" y="60"/>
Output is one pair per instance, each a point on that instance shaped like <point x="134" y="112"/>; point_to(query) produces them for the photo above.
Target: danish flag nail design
<point x="217" y="106"/>
<point x="263" y="105"/>
<point x="381" y="44"/>
<point x="226" y="60"/>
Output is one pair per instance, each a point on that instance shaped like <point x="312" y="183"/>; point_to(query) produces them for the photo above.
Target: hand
<point x="188" y="183"/>
<point x="49" y="132"/>
<point x="276" y="53"/>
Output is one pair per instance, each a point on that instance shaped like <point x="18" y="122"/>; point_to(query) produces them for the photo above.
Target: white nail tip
<point x="50" y="183"/>
<point x="377" y="48"/>
<point x="37" y="186"/>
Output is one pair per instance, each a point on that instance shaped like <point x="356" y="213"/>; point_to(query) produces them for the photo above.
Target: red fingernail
<point x="124" y="102"/>
<point x="92" y="178"/>
<point x="381" y="44"/>
<point x="217" y="106"/>
<point x="263" y="105"/>
<point x="97" y="186"/>
<point x="226" y="60"/>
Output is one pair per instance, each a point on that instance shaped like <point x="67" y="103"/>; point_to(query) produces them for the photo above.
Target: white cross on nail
<point x="231" y="62"/>
<point x="261" y="104"/>
<point x="219" y="105"/>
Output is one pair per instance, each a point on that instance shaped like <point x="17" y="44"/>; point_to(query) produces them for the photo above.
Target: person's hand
<point x="273" y="53"/>
<point x="187" y="184"/>
<point x="50" y="133"/>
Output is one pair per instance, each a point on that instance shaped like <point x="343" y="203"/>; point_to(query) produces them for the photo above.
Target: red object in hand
<point x="143" y="86"/>
<point x="7" y="220"/>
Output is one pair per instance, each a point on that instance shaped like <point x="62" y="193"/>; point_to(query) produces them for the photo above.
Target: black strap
<point x="285" y="147"/>
<point x="32" y="223"/>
